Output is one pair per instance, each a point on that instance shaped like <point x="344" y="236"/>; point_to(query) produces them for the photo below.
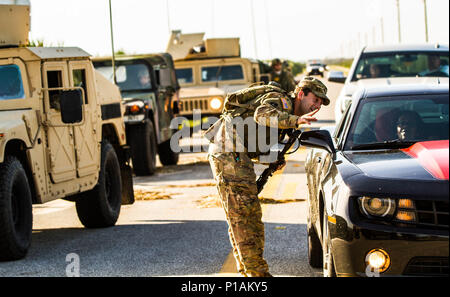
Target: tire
<point x="143" y="148"/>
<point x="16" y="212"/>
<point x="315" y="257"/>
<point x="166" y="155"/>
<point x="100" y="207"/>
<point x="328" y="261"/>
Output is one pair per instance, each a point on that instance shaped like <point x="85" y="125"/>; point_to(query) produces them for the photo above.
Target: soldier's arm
<point x="272" y="114"/>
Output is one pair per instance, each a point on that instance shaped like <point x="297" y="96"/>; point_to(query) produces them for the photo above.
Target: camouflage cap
<point x="316" y="86"/>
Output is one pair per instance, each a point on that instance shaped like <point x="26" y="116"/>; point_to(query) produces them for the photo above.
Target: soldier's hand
<point x="307" y="118"/>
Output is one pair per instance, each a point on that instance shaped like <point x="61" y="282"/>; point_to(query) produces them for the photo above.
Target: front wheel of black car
<point x="328" y="261"/>
<point x="314" y="249"/>
<point x="16" y="215"/>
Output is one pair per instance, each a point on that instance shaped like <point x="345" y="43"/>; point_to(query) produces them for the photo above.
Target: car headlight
<point x="215" y="103"/>
<point x="321" y="69"/>
<point x="399" y="210"/>
<point x="308" y="69"/>
<point x="377" y="207"/>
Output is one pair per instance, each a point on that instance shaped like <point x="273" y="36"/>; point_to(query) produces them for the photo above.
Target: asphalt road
<point x="178" y="230"/>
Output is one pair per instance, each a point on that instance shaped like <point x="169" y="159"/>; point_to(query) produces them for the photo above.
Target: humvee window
<point x="129" y="77"/>
<point x="79" y="80"/>
<point x="219" y="73"/>
<point x="11" y="86"/>
<point x="54" y="80"/>
<point x="184" y="75"/>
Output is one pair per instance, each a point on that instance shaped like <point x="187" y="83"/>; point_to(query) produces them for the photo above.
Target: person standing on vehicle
<point x="233" y="170"/>
<point x="283" y="77"/>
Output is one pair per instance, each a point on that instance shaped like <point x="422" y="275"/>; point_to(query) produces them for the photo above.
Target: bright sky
<point x="289" y="29"/>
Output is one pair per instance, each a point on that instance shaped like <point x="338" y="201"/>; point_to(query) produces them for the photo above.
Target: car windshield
<point x="219" y="73"/>
<point x="410" y="64"/>
<point x="184" y="75"/>
<point x="11" y="86"/>
<point x="129" y="77"/>
<point x="398" y="121"/>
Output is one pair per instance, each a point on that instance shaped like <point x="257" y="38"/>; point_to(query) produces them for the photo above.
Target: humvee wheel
<point x="16" y="214"/>
<point x="100" y="206"/>
<point x="166" y="155"/>
<point x="143" y="148"/>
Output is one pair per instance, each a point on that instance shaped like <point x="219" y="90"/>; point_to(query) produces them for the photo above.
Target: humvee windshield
<point x="129" y="77"/>
<point x="219" y="73"/>
<point x="184" y="75"/>
<point x="11" y="86"/>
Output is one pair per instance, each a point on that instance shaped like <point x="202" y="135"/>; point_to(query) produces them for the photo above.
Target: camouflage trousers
<point x="236" y="184"/>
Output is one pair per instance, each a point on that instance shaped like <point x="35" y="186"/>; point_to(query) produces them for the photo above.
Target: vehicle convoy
<point x="207" y="71"/>
<point x="62" y="135"/>
<point x="150" y="91"/>
<point x="378" y="190"/>
<point x="388" y="65"/>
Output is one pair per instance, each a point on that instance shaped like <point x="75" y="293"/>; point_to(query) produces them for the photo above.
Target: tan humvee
<point x="209" y="69"/>
<point x="62" y="135"/>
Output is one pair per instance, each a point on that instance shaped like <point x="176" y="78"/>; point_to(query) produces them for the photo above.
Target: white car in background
<point x="397" y="64"/>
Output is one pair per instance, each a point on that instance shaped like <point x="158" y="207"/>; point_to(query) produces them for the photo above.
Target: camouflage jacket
<point x="285" y="79"/>
<point x="254" y="131"/>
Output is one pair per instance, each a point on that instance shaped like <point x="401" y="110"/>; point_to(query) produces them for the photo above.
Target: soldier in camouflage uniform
<point x="233" y="169"/>
<point x="283" y="77"/>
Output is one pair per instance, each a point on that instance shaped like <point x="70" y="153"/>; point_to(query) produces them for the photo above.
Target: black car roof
<point x="406" y="48"/>
<point x="404" y="90"/>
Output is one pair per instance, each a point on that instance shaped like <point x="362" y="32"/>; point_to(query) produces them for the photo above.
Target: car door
<point x="60" y="138"/>
<point x="86" y="135"/>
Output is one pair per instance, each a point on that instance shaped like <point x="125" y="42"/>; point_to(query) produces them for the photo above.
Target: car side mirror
<point x="318" y="139"/>
<point x="71" y="103"/>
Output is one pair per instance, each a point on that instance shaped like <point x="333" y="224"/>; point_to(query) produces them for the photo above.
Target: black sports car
<point x="379" y="187"/>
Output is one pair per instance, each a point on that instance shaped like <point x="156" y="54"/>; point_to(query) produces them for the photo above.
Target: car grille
<point x="432" y="213"/>
<point x="427" y="266"/>
<point x="188" y="105"/>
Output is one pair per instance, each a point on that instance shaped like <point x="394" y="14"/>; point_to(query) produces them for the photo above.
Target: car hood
<point x="420" y="172"/>
<point x="351" y="87"/>
<point x="425" y="161"/>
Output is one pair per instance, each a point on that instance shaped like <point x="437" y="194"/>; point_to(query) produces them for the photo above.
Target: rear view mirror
<point x="71" y="106"/>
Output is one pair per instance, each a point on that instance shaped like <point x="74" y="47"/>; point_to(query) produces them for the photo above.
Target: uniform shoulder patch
<point x="284" y="102"/>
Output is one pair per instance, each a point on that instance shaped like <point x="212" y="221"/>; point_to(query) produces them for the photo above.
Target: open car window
<point x="387" y="122"/>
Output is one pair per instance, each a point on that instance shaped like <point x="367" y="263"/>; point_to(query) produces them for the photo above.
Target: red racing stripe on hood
<point x="432" y="155"/>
